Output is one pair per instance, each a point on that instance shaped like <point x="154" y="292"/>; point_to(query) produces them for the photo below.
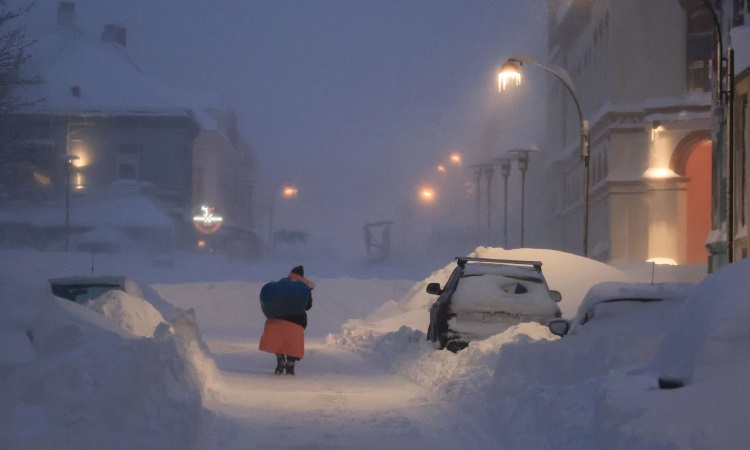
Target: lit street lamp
<point x="511" y="72"/>
<point x="288" y="190"/>
<point x="427" y="194"/>
<point x="68" y="164"/>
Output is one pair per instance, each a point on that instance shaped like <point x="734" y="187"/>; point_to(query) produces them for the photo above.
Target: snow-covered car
<point x="83" y="288"/>
<point x="483" y="297"/>
<point x="626" y="308"/>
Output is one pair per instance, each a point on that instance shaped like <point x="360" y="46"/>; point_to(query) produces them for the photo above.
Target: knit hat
<point x="299" y="270"/>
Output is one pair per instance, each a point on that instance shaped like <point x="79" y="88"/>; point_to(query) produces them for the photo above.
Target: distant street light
<point x="68" y="164"/>
<point x="427" y="194"/>
<point x="288" y="190"/>
<point x="510" y="72"/>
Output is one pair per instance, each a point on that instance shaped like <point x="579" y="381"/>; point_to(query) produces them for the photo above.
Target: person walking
<point x="285" y="304"/>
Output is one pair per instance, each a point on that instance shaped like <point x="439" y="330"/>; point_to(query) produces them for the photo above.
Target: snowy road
<point x="337" y="400"/>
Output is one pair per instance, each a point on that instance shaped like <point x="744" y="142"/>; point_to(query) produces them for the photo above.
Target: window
<point x="700" y="46"/>
<point x="515" y="288"/>
<point x="738" y="18"/>
<point x="126" y="163"/>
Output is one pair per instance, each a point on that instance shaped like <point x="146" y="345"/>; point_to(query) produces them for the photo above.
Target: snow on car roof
<point x="507" y="270"/>
<point x="615" y="290"/>
<point x="89" y="279"/>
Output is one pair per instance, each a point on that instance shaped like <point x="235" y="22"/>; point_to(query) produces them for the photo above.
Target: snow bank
<point x="708" y="348"/>
<point x="72" y="377"/>
<point x="131" y="313"/>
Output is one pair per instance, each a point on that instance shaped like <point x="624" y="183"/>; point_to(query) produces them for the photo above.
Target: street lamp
<point x="523" y="166"/>
<point x="427" y="194"/>
<point x="510" y="72"/>
<point x="68" y="164"/>
<point x="288" y="190"/>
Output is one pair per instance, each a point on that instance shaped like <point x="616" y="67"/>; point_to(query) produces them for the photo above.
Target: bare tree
<point x="13" y="55"/>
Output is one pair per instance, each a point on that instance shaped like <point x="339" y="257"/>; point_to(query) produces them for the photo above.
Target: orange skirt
<point x="284" y="337"/>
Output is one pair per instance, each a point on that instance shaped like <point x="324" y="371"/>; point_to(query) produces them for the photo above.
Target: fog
<point x="357" y="101"/>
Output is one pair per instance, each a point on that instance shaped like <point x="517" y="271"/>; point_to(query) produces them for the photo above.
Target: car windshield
<point x="80" y="293"/>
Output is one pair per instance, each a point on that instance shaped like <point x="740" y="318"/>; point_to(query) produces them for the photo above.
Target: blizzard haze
<point x="356" y="101"/>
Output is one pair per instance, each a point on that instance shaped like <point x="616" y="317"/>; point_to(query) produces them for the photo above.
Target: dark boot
<point x="281" y="364"/>
<point x="290" y="366"/>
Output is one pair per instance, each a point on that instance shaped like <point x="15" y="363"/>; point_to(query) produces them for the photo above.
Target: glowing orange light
<point x="201" y="244"/>
<point x="456" y="158"/>
<point x="441" y="168"/>
<point x="427" y="194"/>
<point x="289" y="191"/>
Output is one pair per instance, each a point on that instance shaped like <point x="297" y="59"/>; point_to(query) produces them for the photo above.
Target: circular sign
<point x="207" y="223"/>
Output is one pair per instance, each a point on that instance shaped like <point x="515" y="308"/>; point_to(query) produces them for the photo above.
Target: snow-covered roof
<point x="86" y="75"/>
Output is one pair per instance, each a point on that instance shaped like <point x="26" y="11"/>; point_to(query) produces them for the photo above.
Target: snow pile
<point x="394" y="334"/>
<point x="71" y="377"/>
<point x="131" y="313"/>
<point x="707" y="348"/>
<point x="563" y="271"/>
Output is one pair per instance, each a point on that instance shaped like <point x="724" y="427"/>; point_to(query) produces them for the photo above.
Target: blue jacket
<point x="286" y="299"/>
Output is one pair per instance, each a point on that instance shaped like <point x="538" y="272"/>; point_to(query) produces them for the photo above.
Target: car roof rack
<point x="462" y="260"/>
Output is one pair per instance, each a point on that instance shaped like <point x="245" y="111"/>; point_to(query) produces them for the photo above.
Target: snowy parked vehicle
<point x="625" y="309"/>
<point x="83" y="288"/>
<point x="483" y="297"/>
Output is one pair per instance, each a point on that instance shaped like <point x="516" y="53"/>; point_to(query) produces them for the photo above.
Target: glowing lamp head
<point x="509" y="73"/>
<point x="441" y="168"/>
<point x="427" y="194"/>
<point x="289" y="191"/>
<point x="456" y="158"/>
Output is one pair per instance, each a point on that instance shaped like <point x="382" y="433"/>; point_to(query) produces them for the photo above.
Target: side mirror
<point x="559" y="327"/>
<point x="556" y="296"/>
<point x="434" y="289"/>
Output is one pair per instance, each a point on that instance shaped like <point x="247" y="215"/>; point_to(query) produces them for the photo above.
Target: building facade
<point x="102" y="133"/>
<point x="642" y="74"/>
<point x="735" y="20"/>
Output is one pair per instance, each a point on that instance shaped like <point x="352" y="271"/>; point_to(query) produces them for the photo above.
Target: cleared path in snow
<point x="337" y="400"/>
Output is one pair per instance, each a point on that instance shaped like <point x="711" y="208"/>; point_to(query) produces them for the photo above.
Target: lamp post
<point x="288" y="190"/>
<point x="523" y="166"/>
<point x="724" y="98"/>
<point x="505" y="171"/>
<point x="510" y="72"/>
<point x="478" y="176"/>
<point x="68" y="164"/>
<point x="488" y="171"/>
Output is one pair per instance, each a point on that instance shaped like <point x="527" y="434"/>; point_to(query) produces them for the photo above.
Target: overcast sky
<point x="357" y="101"/>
